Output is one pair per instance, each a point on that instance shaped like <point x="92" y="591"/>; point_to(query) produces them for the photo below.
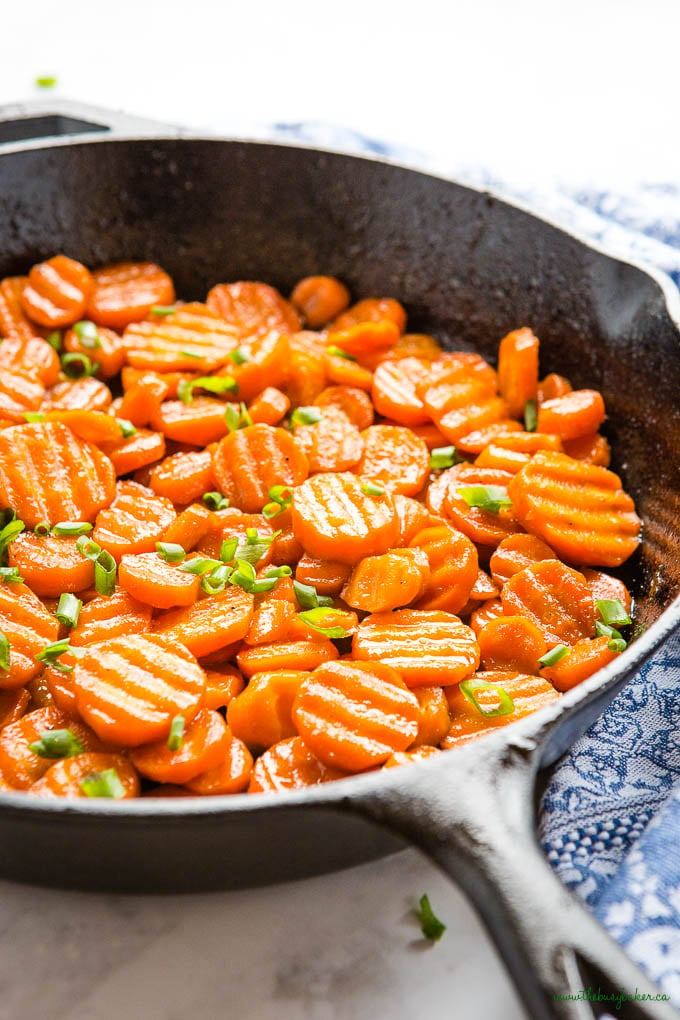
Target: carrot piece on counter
<point x="150" y="579"/>
<point x="189" y="527"/>
<point x="515" y="553"/>
<point x="269" y="407"/>
<point x="203" y="744"/>
<point x="290" y="765"/>
<point x="126" y="292"/>
<point x="453" y="563"/>
<point x="209" y="624"/>
<point x="355" y="402"/>
<point x="250" y="461"/>
<point x="134" y="522"/>
<point x="434" y="719"/>
<point x="528" y="694"/>
<point x="580" y="662"/>
<point x="372" y="310"/>
<point x="87" y="394"/>
<point x="57" y="292"/>
<point x="253" y="309"/>
<point x="395" y="457"/>
<point x="72" y="777"/>
<point x="261" y="715"/>
<point x="183" y="477"/>
<point x="394" y="390"/>
<point x="20" y="765"/>
<point x="392" y="580"/>
<point x="232" y="775"/>
<point x="319" y="299"/>
<point x="110" y="616"/>
<point x="135" y="452"/>
<point x="327" y="576"/>
<point x="577" y="414"/>
<point x="518" y="369"/>
<point x="554" y="597"/>
<point x="51" y="564"/>
<point x="511" y="643"/>
<point x="331" y="444"/>
<point x="108" y="350"/>
<point x="142" y="402"/>
<point x="553" y="386"/>
<point x="604" y="586"/>
<point x="302" y="655"/>
<point x="593" y="448"/>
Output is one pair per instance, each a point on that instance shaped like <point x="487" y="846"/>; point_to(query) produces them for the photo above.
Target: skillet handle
<point x="471" y="811"/>
<point x="35" y="121"/>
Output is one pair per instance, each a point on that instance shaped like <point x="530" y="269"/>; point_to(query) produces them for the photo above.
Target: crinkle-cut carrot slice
<point x="413" y="517"/>
<point x="51" y="564"/>
<point x="481" y="526"/>
<point x="453" y="565"/>
<point x="306" y="376"/>
<point x="201" y="422"/>
<point x="333" y="517"/>
<point x="459" y="422"/>
<point x="261" y="715"/>
<point x="424" y="646"/>
<point x="515" y="553"/>
<point x="21" y="766"/>
<point x="109" y="352"/>
<point x="275" y="611"/>
<point x="286" y="548"/>
<point x="252" y="460"/>
<point x="604" y="586"/>
<point x="364" y="337"/>
<point x="131" y="376"/>
<point x="372" y="310"/>
<point x="451" y="366"/>
<point x="92" y="426"/>
<point x="142" y="402"/>
<point x="580" y="662"/>
<point x="13" y="705"/>
<point x="455" y="379"/>
<point x="205" y="742"/>
<point x="579" y="509"/>
<point x="192" y="339"/>
<point x="265" y="361"/>
<point x="110" y="616"/>
<point x="290" y="765"/>
<point x="57" y="292"/>
<point x="528" y="442"/>
<point x="253" y="308"/>
<point x="505" y="460"/>
<point x="183" y="477"/>
<point x="395" y="457"/>
<point x="518" y="369"/>
<point x="64" y="778"/>
<point x="189" y="527"/>
<point x="555" y="597"/>
<point x="434" y="719"/>
<point x="394" y="390"/>
<point x="553" y="386"/>
<point x="355" y="402"/>
<point x="299" y="655"/>
<point x="511" y="643"/>
<point x="134" y="522"/>
<point x="342" y="372"/>
<point x="152" y="580"/>
<point x="232" y="775"/>
<point x="319" y="299"/>
<point x="78" y="395"/>
<point x="528" y="693"/>
<point x="354" y="715"/>
<point x="129" y="689"/>
<point x="483" y="588"/>
<point x="14" y="323"/>
<point x="331" y="444"/>
<point x="327" y="576"/>
<point x="474" y="442"/>
<point x="488" y="610"/>
<point x="135" y="452"/>
<point x="222" y="685"/>
<point x="19" y="392"/>
<point x="409" y="345"/>
<point x="390" y="581"/>
<point x="48" y="474"/>
<point x="269" y="407"/>
<point x="576" y="414"/>
<point x="232" y="523"/>
<point x="593" y="448"/>
<point x="126" y="292"/>
<point x="32" y="356"/>
<point x="209" y="624"/>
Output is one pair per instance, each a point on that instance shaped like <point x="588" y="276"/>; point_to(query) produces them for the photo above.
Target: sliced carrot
<point x="453" y="563"/>
<point x="434" y="719"/>
<point x="413" y="517"/>
<point x="232" y="523"/>
<point x="515" y="553"/>
<point x="373" y="310"/>
<point x="342" y="372"/>
<point x="21" y="766"/>
<point x="474" y="442"/>
<point x="489" y="610"/>
<point x="253" y="309"/>
<point x="13" y="705"/>
<point x="134" y="522"/>
<point x="19" y="393"/>
<point x="201" y="422"/>
<point x="354" y="402"/>
<point x="286" y="548"/>
<point x="150" y="579"/>
<point x="232" y="775"/>
<point x="92" y="426"/>
<point x="14" y="323"/>
<point x="135" y="452"/>
<point x="191" y="339"/>
<point x="518" y="369"/>
<point x="189" y="527"/>
<point x="331" y="444"/>
<point x="425" y="647"/>
<point x="504" y="460"/>
<point x="261" y="715"/>
<point x="265" y="361"/>
<point x="364" y="337"/>
<point x="553" y="386"/>
<point x="409" y="345"/>
<point x="394" y="390"/>
<point x="319" y="299"/>
<point x="269" y="407"/>
<point x="109" y="352"/>
<point x="604" y="586"/>
<point x="183" y="477"/>
<point x="300" y="656"/>
<point x="580" y="662"/>
<point x="577" y="414"/>
<point x="130" y="689"/>
<point x="222" y="685"/>
<point x="528" y="694"/>
<point x="481" y="526"/>
<point x="554" y="597"/>
<point x="65" y="778"/>
<point x="306" y="376"/>
<point x="142" y="402"/>
<point x="483" y="588"/>
<point x="579" y="509"/>
<point x="131" y="376"/>
<point x="511" y="643"/>
<point x="394" y="579"/>
<point x="57" y="292"/>
<point x="527" y="442"/>
<point x="272" y="618"/>
<point x="204" y="743"/>
<point x="254" y="459"/>
<point x="29" y="354"/>
<point x="209" y="624"/>
<point x="593" y="448"/>
<point x="327" y="576"/>
<point x="459" y="422"/>
<point x="126" y="292"/>
<point x="51" y="564"/>
<point x="334" y="517"/>
<point x="110" y="616"/>
<point x="395" y="457"/>
<point x="456" y="386"/>
<point x="78" y="395"/>
<point x="290" y="765"/>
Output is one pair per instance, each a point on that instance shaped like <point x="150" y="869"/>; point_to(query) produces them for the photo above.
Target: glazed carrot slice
<point x="434" y="719"/>
<point x="136" y="452"/>
<point x="232" y="523"/>
<point x="30" y="355"/>
<point x="504" y="460"/>
<point x="394" y="390"/>
<point x="261" y="715"/>
<point x="131" y="376"/>
<point x="459" y="422"/>
<point x="183" y="477"/>
<point x="579" y="509"/>
<point x="189" y="527"/>
<point x="254" y="459"/>
<point x="554" y="597"/>
<point x="149" y="579"/>
<point x="209" y="624"/>
<point x="204" y="744"/>
<point x="354" y="715"/>
<point x="134" y="522"/>
<point x="395" y="579"/>
<point x="201" y="422"/>
<point x="474" y="442"/>
<point x="334" y="517"/>
<point x="191" y="339"/>
<point x="327" y="576"/>
<point x="110" y="616"/>
<point x="142" y="402"/>
<point x="286" y="548"/>
<point x="264" y="360"/>
<point x="232" y="775"/>
<point x="343" y="372"/>
<point x="481" y="526"/>
<point x="19" y="393"/>
<point x="13" y="705"/>
<point x="409" y="345"/>
<point x="57" y="292"/>
<point x="222" y="685"/>
<point x="49" y="474"/>
<point x="78" y="394"/>
<point x="290" y="765"/>
<point x="319" y="299"/>
<point x="456" y="386"/>
<point x="275" y="613"/>
<point x="553" y="386"/>
<point x="593" y="448"/>
<point x="489" y="610"/>
<point x="21" y="766"/>
<point x="14" y="324"/>
<point x="130" y="689"/>
<point x="515" y="553"/>
<point x="269" y="407"/>
<point x="518" y="369"/>
<point x="65" y="778"/>
<point x="253" y="309"/>
<point x="51" y="564"/>
<point x="306" y="374"/>
<point x="331" y="444"/>
<point x="425" y="647"/>
<point x="453" y="564"/>
<point x="126" y="292"/>
<point x="604" y="586"/>
<point x="577" y="414"/>
<point x="364" y="337"/>
<point x="483" y="588"/>
<point x="92" y="426"/>
<point x="373" y="310"/>
<point x="108" y="351"/>
<point x="528" y="694"/>
<point x="413" y="517"/>
<point x="580" y="662"/>
<point x="527" y="442"/>
<point x="512" y="643"/>
<point x="395" y="457"/>
<point x="354" y="402"/>
<point x="301" y="655"/>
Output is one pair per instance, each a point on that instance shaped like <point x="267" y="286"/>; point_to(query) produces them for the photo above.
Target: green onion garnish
<point x="339" y="353"/>
<point x="46" y="81"/>
<point x="281" y="494"/>
<point x="87" y="333"/>
<point x="190" y="354"/>
<point x="54" y="340"/>
<point x="71" y="528"/>
<point x="506" y="704"/>
<point x="163" y="310"/>
<point x="305" y="416"/>
<point x="530" y="416"/>
<point x="216" y="581"/>
<point x="78" y="366"/>
<point x="68" y="609"/>
<point x="176" y="736"/>
<point x="443" y="457"/>
<point x="4" y="652"/>
<point x="171" y="552"/>
<point x="87" y="548"/>
<point x="199" y="565"/>
<point x="239" y="356"/>
<point x="11" y="575"/>
<point x="215" y="501"/>
<point x="50" y="655"/>
<point x="270" y="510"/>
<point x="369" y="489"/>
<point x="105" y="573"/>
<point x="57" y="744"/>
<point x="486" y="497"/>
<point x="263" y="584"/>
<point x="318" y="619"/>
<point x="237" y="418"/>
<point x="126" y="427"/>
<point x="228" y="549"/>
<point x="617" y="645"/>
<point x="42" y="529"/>
<point x="613" y="612"/>
<point x="306" y="594"/>
<point x="430" y="925"/>
<point x="255" y="546"/>
<point x="8" y="534"/>
<point x="103" y="784"/>
<point x="554" y="655"/>
<point x="284" y="571"/>
<point x="243" y="575"/>
<point x="211" y="383"/>
<point x="34" y="416"/>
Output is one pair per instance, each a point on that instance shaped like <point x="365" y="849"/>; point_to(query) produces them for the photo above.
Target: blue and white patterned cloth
<point x="610" y="821"/>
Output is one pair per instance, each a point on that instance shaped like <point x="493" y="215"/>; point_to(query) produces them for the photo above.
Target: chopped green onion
<point x="239" y="356"/>
<point x="78" y="366"/>
<point x="270" y="510"/>
<point x="216" y="580"/>
<point x="8" y="534"/>
<point x="506" y="704"/>
<point x="54" y="340"/>
<point x="87" y="333"/>
<point x="369" y="489"/>
<point x="487" y="497"/>
<point x="163" y="310"/>
<point x="315" y="618"/>
<point x="105" y="573"/>
<point x="281" y="494"/>
<point x="68" y="609"/>
<point x="199" y="565"/>
<point x="430" y="925"/>
<point x="50" y="655"/>
<point x="305" y="416"/>
<point x="71" y="528"/>
<point x="617" y="645"/>
<point x="255" y="546"/>
<point x="176" y="737"/>
<point x="11" y="575"/>
<point x="4" y="652"/>
<point x="87" y="548"/>
<point x="103" y="784"/>
<point x="263" y="584"/>
<point x="284" y="571"/>
<point x="604" y="630"/>
<point x="46" y="81"/>
<point x="530" y="416"/>
<point x="171" y="552"/>
<point x="57" y="744"/>
<point x="613" y="612"/>
<point x="243" y="575"/>
<point x="126" y="427"/>
<point x="554" y="655"/>
<point x="306" y="594"/>
<point x="237" y="418"/>
<point x="213" y="384"/>
<point x="42" y="529"/>
<point x="190" y="354"/>
<point x="215" y="501"/>
<point x="228" y="549"/>
<point x="34" y="416"/>
<point x="443" y="457"/>
<point x="339" y="353"/>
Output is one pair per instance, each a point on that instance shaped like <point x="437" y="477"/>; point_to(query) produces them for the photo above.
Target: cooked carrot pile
<point x="257" y="544"/>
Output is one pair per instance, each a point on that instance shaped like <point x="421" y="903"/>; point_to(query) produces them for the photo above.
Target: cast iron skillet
<point x="469" y="268"/>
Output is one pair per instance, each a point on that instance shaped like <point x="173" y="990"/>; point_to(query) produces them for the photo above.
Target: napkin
<point x="610" y="818"/>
